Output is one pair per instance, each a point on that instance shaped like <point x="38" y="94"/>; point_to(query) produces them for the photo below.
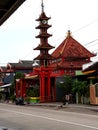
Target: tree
<point x="74" y="87"/>
<point x="80" y="88"/>
<point x="19" y="75"/>
<point x="68" y="84"/>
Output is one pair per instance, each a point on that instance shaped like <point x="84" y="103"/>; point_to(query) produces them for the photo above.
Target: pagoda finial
<point x="68" y="33"/>
<point x="42" y="5"/>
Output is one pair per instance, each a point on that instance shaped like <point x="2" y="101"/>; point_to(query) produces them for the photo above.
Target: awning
<point x="31" y="77"/>
<point x="89" y="72"/>
<point x="6" y="85"/>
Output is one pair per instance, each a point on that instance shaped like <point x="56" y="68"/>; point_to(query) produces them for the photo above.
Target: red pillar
<point x="42" y="89"/>
<point x="48" y="89"/>
<point x="16" y="88"/>
<point x="24" y="87"/>
<point x="21" y="88"/>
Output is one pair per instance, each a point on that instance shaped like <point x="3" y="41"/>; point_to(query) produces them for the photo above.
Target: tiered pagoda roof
<point x="44" y="46"/>
<point x="43" y="16"/>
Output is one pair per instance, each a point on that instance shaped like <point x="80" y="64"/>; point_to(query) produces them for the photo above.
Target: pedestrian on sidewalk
<point x="64" y="100"/>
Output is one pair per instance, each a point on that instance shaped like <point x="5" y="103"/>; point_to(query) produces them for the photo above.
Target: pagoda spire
<point x="42" y="5"/>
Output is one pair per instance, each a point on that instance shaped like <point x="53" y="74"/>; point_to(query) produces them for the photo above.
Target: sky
<point x="17" y="34"/>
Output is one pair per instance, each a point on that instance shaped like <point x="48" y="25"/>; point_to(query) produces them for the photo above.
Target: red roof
<point x="43" y="46"/>
<point x="72" y="49"/>
<point x="44" y="57"/>
<point x="43" y="17"/>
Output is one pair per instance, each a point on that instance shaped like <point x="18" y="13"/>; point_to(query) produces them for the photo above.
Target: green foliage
<point x="66" y="84"/>
<point x="81" y="87"/>
<point x="74" y="86"/>
<point x="12" y="98"/>
<point x="33" y="92"/>
<point x="19" y="75"/>
<point x="12" y="88"/>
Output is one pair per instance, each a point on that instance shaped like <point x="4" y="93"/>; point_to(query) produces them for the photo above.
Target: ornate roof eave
<point x="43" y="26"/>
<point x="43" y="57"/>
<point x="44" y="35"/>
<point x="68" y="64"/>
<point x="44" y="46"/>
<point x="66" y="67"/>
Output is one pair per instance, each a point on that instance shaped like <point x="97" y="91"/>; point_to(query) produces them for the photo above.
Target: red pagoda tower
<point x="44" y="47"/>
<point x="47" y="83"/>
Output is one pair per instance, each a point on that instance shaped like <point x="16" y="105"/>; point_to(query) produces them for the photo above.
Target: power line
<point x="91" y="42"/>
<point x="86" y="25"/>
<point x="92" y="45"/>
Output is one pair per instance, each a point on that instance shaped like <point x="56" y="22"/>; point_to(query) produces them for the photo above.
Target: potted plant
<point x="32" y="94"/>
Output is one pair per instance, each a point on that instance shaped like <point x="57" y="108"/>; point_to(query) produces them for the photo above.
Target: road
<point x="14" y="117"/>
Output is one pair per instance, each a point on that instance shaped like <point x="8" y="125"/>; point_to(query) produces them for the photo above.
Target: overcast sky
<point x="17" y="34"/>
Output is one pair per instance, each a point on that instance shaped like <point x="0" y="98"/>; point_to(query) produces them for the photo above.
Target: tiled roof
<point x="26" y="61"/>
<point x="19" y="65"/>
<point x="2" y="68"/>
<point x="43" y="57"/>
<point x="43" y="46"/>
<point x="22" y="64"/>
<point x="71" y="48"/>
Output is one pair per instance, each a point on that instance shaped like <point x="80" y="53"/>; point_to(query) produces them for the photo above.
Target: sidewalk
<point x="58" y="104"/>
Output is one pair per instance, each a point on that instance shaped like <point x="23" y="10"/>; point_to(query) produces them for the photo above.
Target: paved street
<point x="15" y="117"/>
